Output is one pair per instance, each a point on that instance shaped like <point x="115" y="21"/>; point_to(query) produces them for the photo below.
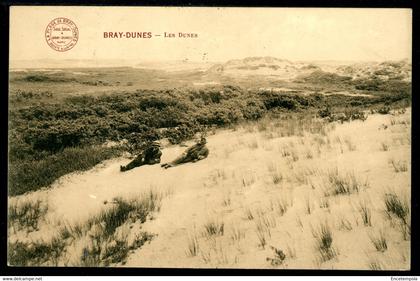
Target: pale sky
<point x="223" y="33"/>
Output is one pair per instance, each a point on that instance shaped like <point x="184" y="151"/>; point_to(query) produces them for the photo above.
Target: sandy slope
<point x="237" y="179"/>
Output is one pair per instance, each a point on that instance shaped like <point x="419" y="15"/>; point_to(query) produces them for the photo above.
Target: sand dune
<point x="251" y="172"/>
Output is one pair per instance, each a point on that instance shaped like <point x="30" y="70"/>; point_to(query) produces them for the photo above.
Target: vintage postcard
<point x="172" y="137"/>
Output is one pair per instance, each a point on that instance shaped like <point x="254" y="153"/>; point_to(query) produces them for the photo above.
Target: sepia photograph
<point x="206" y="137"/>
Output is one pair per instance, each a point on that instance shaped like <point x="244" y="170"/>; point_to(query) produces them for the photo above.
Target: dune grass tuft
<point x="193" y="246"/>
<point x="397" y="207"/>
<point x="379" y="241"/>
<point x="365" y="213"/>
<point x="26" y="215"/>
<point x="213" y="228"/>
<point x="344" y="184"/>
<point x="324" y="240"/>
<point x="399" y="166"/>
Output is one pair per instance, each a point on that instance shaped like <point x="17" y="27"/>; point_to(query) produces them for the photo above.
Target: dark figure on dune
<point x="197" y="152"/>
<point x="149" y="156"/>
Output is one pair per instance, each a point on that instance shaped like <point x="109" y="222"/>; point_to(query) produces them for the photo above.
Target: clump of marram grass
<point x="345" y="224"/>
<point x="73" y="231"/>
<point x="399" y="166"/>
<point x="213" y="228"/>
<point x="249" y="214"/>
<point x="384" y="146"/>
<point x="267" y="220"/>
<point x="365" y="213"/>
<point x="26" y="215"/>
<point x="308" y="206"/>
<point x="237" y="233"/>
<point x="375" y="265"/>
<point x="276" y="177"/>
<point x="123" y="210"/>
<point x="393" y="122"/>
<point x="226" y="200"/>
<point x="344" y="184"/>
<point x="279" y="206"/>
<point x="299" y="222"/>
<point x="221" y="173"/>
<point x="248" y="180"/>
<point x="285" y="152"/>
<point x="193" y="246"/>
<point x="263" y="225"/>
<point x="291" y="252"/>
<point x="397" y="207"/>
<point x="295" y="155"/>
<point x="206" y="256"/>
<point x="301" y="175"/>
<point x="324" y="240"/>
<point x="279" y="257"/>
<point x="261" y="234"/>
<point x="379" y="241"/>
<point x="324" y="203"/>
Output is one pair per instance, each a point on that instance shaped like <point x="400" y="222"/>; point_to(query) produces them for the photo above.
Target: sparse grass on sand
<point x="344" y="183"/>
<point x="26" y="215"/>
<point x="375" y="265"/>
<point x="105" y="246"/>
<point x="263" y="208"/>
<point x="399" y="166"/>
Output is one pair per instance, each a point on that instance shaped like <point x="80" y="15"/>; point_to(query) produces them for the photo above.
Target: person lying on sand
<point x="149" y="156"/>
<point x="195" y="153"/>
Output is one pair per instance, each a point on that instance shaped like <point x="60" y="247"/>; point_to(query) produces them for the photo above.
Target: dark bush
<point x="384" y="110"/>
<point x="279" y="100"/>
<point x="325" y="112"/>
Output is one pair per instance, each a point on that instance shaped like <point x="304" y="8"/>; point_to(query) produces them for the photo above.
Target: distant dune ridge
<point x="289" y="70"/>
<point x="249" y="66"/>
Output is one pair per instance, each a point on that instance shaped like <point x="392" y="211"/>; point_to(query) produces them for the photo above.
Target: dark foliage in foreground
<point x="29" y="175"/>
<point x="35" y="253"/>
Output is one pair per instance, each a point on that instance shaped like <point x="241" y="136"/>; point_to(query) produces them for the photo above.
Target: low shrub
<point x="384" y="110"/>
<point x="31" y="175"/>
